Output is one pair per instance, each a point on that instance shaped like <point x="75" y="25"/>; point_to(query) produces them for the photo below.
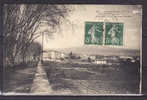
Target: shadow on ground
<point x="20" y="79"/>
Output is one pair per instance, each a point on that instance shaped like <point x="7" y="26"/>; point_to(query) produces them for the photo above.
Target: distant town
<point x="62" y="57"/>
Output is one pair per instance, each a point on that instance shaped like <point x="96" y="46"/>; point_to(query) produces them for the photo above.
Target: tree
<point x="35" y="51"/>
<point x="22" y="21"/>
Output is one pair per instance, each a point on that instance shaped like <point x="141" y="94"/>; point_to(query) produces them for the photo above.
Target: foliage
<point x="21" y="22"/>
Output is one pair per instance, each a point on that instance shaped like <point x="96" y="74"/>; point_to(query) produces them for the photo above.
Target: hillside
<point x="92" y="50"/>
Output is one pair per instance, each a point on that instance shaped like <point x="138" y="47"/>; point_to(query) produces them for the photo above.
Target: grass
<point x="92" y="78"/>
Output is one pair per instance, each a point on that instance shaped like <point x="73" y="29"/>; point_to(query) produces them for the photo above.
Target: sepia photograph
<point x="76" y="49"/>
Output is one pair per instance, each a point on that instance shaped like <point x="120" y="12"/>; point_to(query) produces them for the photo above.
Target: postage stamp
<point x="94" y="33"/>
<point x="113" y="33"/>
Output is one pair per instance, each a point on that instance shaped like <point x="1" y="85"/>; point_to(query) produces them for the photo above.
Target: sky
<point x="71" y="33"/>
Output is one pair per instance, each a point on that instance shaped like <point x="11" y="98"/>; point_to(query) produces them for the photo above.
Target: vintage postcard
<point x="52" y="49"/>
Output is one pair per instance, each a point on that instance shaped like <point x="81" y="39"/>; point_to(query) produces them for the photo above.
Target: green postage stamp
<point x="94" y="33"/>
<point x="101" y="33"/>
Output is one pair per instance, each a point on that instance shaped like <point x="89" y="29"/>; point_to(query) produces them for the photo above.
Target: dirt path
<point x="42" y="86"/>
<point x="19" y="81"/>
<point x="40" y="83"/>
